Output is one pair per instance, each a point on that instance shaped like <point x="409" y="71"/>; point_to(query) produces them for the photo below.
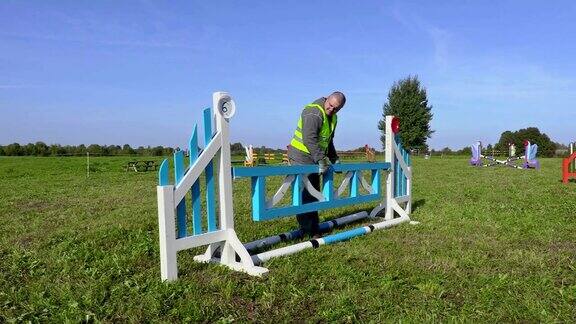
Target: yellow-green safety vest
<point x="325" y="133"/>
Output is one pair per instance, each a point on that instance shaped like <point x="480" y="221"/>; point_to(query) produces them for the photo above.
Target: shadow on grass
<point x="417" y="204"/>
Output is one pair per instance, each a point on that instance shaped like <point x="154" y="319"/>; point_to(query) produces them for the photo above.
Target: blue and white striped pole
<point x="296" y="234"/>
<point x="330" y="239"/>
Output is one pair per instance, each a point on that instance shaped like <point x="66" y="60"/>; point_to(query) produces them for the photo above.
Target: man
<point x="312" y="143"/>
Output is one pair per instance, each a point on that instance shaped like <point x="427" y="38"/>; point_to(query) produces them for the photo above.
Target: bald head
<point x="334" y="103"/>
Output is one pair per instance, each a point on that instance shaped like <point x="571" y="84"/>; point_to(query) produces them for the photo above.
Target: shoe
<point x="316" y="236"/>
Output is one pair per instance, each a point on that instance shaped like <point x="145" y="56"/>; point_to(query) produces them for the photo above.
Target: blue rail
<point x="261" y="211"/>
<point x="277" y="170"/>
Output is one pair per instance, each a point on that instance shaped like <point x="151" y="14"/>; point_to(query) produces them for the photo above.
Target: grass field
<point x="494" y="244"/>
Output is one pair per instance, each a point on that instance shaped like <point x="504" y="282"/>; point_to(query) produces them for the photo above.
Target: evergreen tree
<point x="408" y="101"/>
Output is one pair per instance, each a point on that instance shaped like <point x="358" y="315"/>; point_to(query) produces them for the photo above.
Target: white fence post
<point x="389" y="139"/>
<point x="167" y="229"/>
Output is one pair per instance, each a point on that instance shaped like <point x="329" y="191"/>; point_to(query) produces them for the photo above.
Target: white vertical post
<point x="225" y="172"/>
<point x="389" y="136"/>
<point x="223" y="108"/>
<point x="167" y="233"/>
<point x="87" y="164"/>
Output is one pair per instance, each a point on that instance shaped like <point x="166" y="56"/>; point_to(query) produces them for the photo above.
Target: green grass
<point x="494" y="244"/>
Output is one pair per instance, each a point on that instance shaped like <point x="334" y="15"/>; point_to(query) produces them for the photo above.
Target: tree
<point x="467" y="150"/>
<point x="506" y="139"/>
<point x="81" y="149"/>
<point x="545" y="146"/>
<point x="167" y="151"/>
<point x="13" y="149"/>
<point x="408" y="101"/>
<point x="42" y="149"/>
<point x="236" y="149"/>
<point x="94" y="149"/>
<point x="126" y="149"/>
<point x="157" y="151"/>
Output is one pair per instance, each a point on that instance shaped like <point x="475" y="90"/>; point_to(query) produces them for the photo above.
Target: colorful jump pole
<point x="296" y="234"/>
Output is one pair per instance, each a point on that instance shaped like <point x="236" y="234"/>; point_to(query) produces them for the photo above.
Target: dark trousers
<point x="309" y="221"/>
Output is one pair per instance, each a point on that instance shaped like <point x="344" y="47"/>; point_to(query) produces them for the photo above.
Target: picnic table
<point x="141" y="166"/>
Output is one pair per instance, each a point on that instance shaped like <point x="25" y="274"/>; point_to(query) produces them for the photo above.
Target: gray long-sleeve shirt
<point x="311" y="126"/>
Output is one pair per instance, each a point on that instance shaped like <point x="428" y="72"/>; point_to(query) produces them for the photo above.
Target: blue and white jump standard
<point x="184" y="228"/>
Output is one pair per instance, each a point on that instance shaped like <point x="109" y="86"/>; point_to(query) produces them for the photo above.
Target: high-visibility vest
<point x="325" y="132"/>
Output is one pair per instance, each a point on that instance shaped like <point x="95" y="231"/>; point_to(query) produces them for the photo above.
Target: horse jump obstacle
<point x="251" y="158"/>
<point x="569" y="164"/>
<point x="529" y="157"/>
<point x="370" y="154"/>
<point x="178" y="233"/>
<point x="285" y="159"/>
<point x="269" y="157"/>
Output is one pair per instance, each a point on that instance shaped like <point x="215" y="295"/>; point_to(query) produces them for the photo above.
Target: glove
<point x="323" y="165"/>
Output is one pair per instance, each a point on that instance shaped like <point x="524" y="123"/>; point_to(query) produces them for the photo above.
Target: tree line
<point x="42" y="149"/>
<point x="546" y="148"/>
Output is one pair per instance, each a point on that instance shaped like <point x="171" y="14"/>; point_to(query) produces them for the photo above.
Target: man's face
<point x="332" y="105"/>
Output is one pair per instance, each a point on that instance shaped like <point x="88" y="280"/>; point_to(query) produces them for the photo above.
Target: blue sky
<point x="140" y="72"/>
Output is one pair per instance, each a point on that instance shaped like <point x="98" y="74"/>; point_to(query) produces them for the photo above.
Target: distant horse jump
<point x="251" y="158"/>
<point x="184" y="228"/>
<point x="529" y="160"/>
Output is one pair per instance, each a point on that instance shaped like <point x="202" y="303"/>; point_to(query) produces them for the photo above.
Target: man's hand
<point x="323" y="165"/>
